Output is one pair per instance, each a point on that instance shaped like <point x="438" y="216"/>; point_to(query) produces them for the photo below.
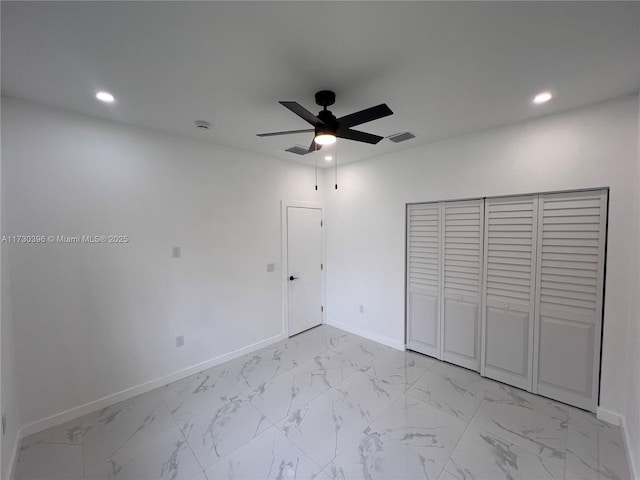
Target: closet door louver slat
<point x="509" y="289"/>
<point x="570" y="269"/>
<point x="424" y="278"/>
<point x="462" y="245"/>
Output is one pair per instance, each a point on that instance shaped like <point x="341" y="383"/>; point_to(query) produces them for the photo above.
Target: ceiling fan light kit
<point x="325" y="139"/>
<point x="326" y="127"/>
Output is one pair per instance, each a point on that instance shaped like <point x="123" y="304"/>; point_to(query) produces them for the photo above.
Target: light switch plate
<point x="271" y="267"/>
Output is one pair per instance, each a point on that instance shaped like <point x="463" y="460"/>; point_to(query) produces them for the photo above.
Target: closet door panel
<point x="507" y="331"/>
<point x="570" y="270"/>
<point x="423" y="312"/>
<point x="509" y="289"/>
<point x="424" y="278"/>
<point x="462" y="333"/>
<point x="462" y="269"/>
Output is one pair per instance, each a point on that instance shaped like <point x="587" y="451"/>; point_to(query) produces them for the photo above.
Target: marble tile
<point x="452" y="389"/>
<point x="375" y="455"/>
<point x="293" y="352"/>
<point x="328" y="336"/>
<point x="426" y="429"/>
<point x="164" y="456"/>
<point x="324" y="426"/>
<point x="370" y="395"/>
<point x="483" y="455"/>
<point x="445" y="475"/>
<point x="206" y="390"/>
<point x="595" y="449"/>
<point x="255" y="368"/>
<point x="214" y="433"/>
<point x="69" y="433"/>
<point x="398" y="368"/>
<point x="268" y="456"/>
<point x="199" y="476"/>
<point x="501" y="393"/>
<point x="125" y="434"/>
<point x="532" y="422"/>
<point x="343" y="407"/>
<point x="51" y="461"/>
<point x="362" y="352"/>
<point x="279" y="396"/>
<point x="325" y="371"/>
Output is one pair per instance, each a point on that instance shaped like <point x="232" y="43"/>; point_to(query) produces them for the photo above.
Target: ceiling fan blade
<point x="272" y="134"/>
<point x="364" y="116"/>
<point x="303" y="113"/>
<point x="358" y="136"/>
<point x="314" y="146"/>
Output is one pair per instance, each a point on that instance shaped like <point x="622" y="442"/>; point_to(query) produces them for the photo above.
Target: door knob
<point x="291" y="278"/>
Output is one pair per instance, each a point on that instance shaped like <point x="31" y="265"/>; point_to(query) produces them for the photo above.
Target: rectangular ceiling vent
<point x="401" y="137"/>
<point x="298" y="150"/>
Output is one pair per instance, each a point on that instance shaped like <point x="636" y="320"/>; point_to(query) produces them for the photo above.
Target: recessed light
<point x="202" y="124"/>
<point x="542" y="97"/>
<point x="328" y="158"/>
<point x="105" y="97"/>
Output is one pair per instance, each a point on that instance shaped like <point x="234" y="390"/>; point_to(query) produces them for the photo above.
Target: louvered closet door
<point x="509" y="285"/>
<point x="423" y="278"/>
<point x="463" y="226"/>
<point x="570" y="267"/>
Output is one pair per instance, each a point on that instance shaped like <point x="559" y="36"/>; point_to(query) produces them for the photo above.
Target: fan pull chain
<point x="336" y="166"/>
<point x="315" y="159"/>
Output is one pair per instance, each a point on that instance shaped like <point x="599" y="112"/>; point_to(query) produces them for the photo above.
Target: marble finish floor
<point x="327" y="404"/>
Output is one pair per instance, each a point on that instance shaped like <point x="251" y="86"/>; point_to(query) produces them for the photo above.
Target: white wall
<point x="632" y="412"/>
<point x="591" y="147"/>
<point x="93" y="320"/>
<point x="8" y="389"/>
<point x="9" y="400"/>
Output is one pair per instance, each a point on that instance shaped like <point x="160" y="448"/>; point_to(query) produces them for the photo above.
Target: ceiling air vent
<point x="401" y="137"/>
<point x="298" y="150"/>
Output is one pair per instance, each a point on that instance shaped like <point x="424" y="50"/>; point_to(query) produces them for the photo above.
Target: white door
<point x="463" y="226"/>
<point x="509" y="284"/>
<point x="304" y="265"/>
<point x="424" y="278"/>
<point x="570" y="268"/>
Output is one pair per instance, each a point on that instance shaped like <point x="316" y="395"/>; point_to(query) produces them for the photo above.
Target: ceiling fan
<point x="327" y="127"/>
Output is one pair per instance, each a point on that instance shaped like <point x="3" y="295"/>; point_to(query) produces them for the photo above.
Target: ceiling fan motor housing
<point x="329" y="120"/>
<point x="325" y="98"/>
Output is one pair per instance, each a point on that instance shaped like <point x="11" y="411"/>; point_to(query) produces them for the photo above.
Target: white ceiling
<point x="444" y="68"/>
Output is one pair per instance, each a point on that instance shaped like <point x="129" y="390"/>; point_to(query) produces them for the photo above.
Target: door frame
<point x="284" y="204"/>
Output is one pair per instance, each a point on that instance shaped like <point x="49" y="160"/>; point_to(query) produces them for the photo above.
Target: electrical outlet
<point x="4" y="423"/>
<point x="180" y="341"/>
<point x="271" y="267"/>
<point x="361" y="308"/>
<point x="176" y="252"/>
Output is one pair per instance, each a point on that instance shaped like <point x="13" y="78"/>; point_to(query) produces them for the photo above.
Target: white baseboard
<point x="619" y="420"/>
<point x="13" y="458"/>
<point x="608" y="416"/>
<point x="128" y="393"/>
<point x="627" y="444"/>
<point x="366" y="334"/>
